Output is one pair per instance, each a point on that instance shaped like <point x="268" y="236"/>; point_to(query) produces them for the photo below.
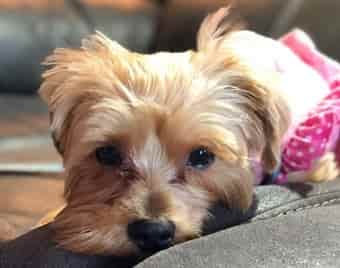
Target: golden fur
<point x="157" y="108"/>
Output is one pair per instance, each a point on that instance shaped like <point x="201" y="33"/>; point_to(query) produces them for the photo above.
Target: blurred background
<point x="31" y="29"/>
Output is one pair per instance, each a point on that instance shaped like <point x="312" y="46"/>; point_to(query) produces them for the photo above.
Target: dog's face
<point x="151" y="142"/>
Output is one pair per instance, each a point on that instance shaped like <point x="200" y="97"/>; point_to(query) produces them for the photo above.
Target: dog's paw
<point x="326" y="169"/>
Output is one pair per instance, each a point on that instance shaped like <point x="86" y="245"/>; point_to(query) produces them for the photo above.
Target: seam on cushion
<point x="303" y="208"/>
<point x="298" y="209"/>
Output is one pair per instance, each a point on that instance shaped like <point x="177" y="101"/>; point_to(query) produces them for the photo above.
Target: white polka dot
<point x="309" y="138"/>
<point x="312" y="150"/>
<point x="288" y="152"/>
<point x="329" y="125"/>
<point x="299" y="154"/>
<point x="294" y="143"/>
<point x="319" y="131"/>
<point x="323" y="145"/>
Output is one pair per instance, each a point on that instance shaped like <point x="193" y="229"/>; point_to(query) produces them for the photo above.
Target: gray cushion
<point x="295" y="226"/>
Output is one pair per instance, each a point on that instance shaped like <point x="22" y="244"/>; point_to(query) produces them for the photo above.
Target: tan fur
<point x="156" y="108"/>
<point x="324" y="169"/>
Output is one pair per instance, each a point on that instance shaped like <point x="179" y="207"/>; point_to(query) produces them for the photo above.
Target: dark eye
<point x="109" y="156"/>
<point x="201" y="158"/>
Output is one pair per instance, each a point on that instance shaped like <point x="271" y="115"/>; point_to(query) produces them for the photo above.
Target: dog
<point x="151" y="142"/>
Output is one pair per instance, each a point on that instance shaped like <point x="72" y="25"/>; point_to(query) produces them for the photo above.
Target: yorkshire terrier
<point x="151" y="142"/>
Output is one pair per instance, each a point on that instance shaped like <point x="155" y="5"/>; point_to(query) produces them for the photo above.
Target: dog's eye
<point x="201" y="158"/>
<point x="109" y="156"/>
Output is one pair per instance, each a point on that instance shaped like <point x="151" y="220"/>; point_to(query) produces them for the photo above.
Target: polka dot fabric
<point x="318" y="132"/>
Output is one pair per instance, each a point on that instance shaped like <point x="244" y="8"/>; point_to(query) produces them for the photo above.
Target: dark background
<point x="31" y="29"/>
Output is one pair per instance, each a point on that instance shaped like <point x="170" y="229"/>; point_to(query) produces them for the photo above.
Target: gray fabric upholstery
<point x="35" y="250"/>
<point x="306" y="239"/>
<point x="295" y="226"/>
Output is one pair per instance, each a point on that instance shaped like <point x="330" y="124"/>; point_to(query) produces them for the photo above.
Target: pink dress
<point x="318" y="131"/>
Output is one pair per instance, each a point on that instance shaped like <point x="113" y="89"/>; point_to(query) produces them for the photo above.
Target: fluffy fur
<point x="157" y="108"/>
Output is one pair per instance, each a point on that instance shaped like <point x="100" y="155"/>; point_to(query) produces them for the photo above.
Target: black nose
<point x="152" y="235"/>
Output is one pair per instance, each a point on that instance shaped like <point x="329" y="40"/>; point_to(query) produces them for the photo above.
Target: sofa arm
<point x="305" y="239"/>
<point x="35" y="249"/>
<point x="292" y="226"/>
<point x="295" y="227"/>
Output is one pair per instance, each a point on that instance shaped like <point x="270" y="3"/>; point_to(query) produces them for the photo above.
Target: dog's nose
<point x="152" y="235"/>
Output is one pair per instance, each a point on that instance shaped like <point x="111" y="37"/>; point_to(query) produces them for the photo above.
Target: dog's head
<point x="151" y="142"/>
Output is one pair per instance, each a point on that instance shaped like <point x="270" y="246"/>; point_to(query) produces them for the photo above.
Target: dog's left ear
<point x="266" y="108"/>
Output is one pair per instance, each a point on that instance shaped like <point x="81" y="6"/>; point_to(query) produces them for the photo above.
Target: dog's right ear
<point x="73" y="79"/>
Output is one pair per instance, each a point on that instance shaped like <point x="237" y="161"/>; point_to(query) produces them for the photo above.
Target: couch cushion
<point x="306" y="239"/>
<point x="304" y="234"/>
<point x="294" y="227"/>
